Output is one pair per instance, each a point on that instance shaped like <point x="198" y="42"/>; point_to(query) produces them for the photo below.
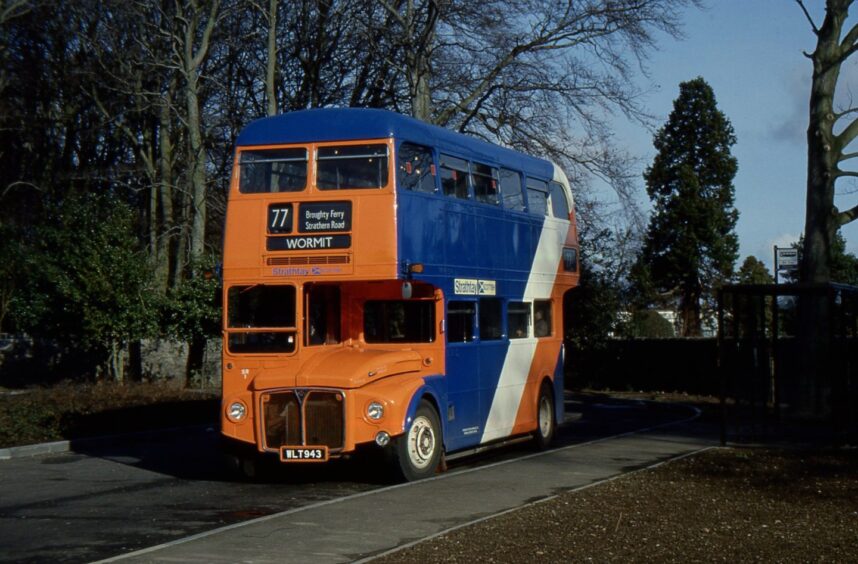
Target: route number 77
<point x="280" y="218"/>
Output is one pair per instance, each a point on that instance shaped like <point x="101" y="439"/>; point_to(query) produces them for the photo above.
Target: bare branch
<point x="807" y="15"/>
<point x="848" y="134"/>
<point x="14" y="9"/>
<point x="847" y="216"/>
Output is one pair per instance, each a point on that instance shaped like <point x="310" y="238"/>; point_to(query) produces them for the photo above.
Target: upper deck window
<point x="352" y="166"/>
<point x="454" y="177"/>
<point x="537" y="196"/>
<point x="510" y="183"/>
<point x="559" y="203"/>
<point x="484" y="179"/>
<point x="416" y="171"/>
<point x="272" y="170"/>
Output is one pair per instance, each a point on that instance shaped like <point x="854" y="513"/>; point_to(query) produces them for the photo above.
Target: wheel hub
<point x="421" y="441"/>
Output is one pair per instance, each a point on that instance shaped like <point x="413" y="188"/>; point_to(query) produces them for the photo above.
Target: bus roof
<point x="350" y="124"/>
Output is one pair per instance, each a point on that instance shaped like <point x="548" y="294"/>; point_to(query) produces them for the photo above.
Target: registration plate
<point x="304" y="454"/>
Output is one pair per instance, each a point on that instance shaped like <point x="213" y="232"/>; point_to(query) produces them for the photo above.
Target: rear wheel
<point x="417" y="453"/>
<point x="546" y="424"/>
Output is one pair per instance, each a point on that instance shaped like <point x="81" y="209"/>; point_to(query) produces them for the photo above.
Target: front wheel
<point x="418" y="451"/>
<point x="546" y="423"/>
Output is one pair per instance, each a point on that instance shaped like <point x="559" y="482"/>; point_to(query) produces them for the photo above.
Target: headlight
<point x="375" y="411"/>
<point x="237" y="411"/>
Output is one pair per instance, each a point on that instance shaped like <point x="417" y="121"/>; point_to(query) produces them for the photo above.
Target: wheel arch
<point x="432" y="392"/>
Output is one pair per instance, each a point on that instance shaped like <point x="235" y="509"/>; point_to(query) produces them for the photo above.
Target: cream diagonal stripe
<point x="519" y="356"/>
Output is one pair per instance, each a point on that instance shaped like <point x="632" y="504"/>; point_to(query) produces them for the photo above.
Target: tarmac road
<point x="114" y="499"/>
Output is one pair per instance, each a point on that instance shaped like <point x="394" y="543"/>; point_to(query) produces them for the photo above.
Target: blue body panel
<point x="347" y="124"/>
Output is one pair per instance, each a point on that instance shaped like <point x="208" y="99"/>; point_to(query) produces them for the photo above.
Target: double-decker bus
<point x="387" y="281"/>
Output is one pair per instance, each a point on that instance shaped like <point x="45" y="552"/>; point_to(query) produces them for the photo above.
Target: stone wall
<point x="163" y="359"/>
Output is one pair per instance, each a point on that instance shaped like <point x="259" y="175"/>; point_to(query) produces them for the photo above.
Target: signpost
<point x="786" y="258"/>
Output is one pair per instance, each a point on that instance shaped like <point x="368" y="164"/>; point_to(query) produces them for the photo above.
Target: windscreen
<point x="351" y="166"/>
<point x="261" y="307"/>
<point x="272" y="170"/>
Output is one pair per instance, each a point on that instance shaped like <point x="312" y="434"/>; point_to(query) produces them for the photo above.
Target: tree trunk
<point x="821" y="222"/>
<point x="116" y="362"/>
<point x="421" y="96"/>
<point x="197" y="163"/>
<point x="690" y="310"/>
<point x="271" y="63"/>
<point x="193" y="57"/>
<point x="196" y="355"/>
<point x="823" y="152"/>
<point x="165" y="194"/>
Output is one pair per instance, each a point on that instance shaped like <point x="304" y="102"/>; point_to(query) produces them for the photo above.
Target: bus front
<point x="323" y="350"/>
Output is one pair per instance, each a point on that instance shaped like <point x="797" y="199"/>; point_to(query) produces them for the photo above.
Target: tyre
<point x="546" y="423"/>
<point x="242" y="467"/>
<point x="241" y="461"/>
<point x="417" y="452"/>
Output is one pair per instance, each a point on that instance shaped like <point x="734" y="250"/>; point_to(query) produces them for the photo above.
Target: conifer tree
<point x="690" y="245"/>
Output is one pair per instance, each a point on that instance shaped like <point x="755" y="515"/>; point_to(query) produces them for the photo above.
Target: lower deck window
<point x="491" y="319"/>
<point x="399" y="321"/>
<point x="518" y="319"/>
<point x="460" y="322"/>
<point x="542" y="318"/>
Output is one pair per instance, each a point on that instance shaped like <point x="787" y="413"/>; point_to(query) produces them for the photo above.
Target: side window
<point x="542" y="318"/>
<point x="559" y="203"/>
<point x="484" y="179"/>
<point x="518" y="319"/>
<point x="460" y="322"/>
<point x="415" y="169"/>
<point x="510" y="184"/>
<point x="491" y="319"/>
<point x="570" y="259"/>
<point x="454" y="177"/>
<point x="537" y="196"/>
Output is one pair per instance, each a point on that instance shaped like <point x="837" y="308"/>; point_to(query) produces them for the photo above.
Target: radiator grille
<point x="323" y="414"/>
<point x="282" y="419"/>
<point x="318" y="419"/>
<point x="308" y="260"/>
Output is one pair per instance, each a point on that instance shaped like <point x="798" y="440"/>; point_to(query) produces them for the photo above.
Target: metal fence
<point x="788" y="361"/>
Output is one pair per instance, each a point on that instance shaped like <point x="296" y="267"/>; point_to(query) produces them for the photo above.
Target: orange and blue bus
<point x="392" y="283"/>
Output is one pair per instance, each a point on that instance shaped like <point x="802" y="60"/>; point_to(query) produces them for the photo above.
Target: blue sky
<point x="751" y="53"/>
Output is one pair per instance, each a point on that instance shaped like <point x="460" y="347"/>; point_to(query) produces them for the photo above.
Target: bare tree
<point x="536" y="75"/>
<point x="197" y="23"/>
<point x="830" y="134"/>
<point x="417" y="23"/>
